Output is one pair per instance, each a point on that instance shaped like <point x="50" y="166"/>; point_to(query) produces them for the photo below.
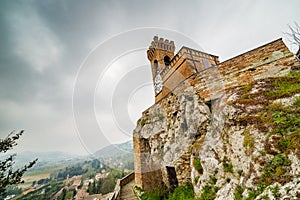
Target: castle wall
<point x="184" y="65"/>
<point x="211" y="80"/>
<point x="163" y="137"/>
<point x="169" y="128"/>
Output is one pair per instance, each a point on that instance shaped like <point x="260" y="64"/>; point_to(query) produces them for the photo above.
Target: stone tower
<point x="160" y="53"/>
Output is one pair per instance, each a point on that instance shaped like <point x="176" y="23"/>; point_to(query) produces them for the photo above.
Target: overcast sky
<point x="74" y="74"/>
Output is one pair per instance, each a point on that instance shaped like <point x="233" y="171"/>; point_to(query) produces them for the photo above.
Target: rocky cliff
<point x="244" y="144"/>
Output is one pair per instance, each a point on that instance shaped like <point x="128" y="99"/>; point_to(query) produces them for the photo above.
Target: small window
<point x="156" y="66"/>
<point x="167" y="60"/>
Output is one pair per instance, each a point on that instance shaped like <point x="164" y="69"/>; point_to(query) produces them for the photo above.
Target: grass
<point x="274" y="88"/>
<point x="276" y="170"/>
<point x="272" y="118"/>
<point x="280" y="123"/>
<point x="283" y="87"/>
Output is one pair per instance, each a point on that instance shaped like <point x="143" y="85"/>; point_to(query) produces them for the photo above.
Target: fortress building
<point x="193" y="67"/>
<point x="167" y="130"/>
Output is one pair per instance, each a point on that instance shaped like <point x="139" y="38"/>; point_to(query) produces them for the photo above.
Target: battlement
<point x="161" y="44"/>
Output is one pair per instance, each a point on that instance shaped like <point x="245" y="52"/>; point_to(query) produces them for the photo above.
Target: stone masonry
<point x="190" y="79"/>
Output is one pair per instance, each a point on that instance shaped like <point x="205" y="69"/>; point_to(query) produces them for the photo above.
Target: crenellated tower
<point x="160" y="53"/>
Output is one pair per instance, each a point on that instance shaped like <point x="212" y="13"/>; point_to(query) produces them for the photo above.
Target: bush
<point x="213" y="180"/>
<point x="143" y="122"/>
<point x="183" y="192"/>
<point x="156" y="194"/>
<point x="208" y="193"/>
<point x="227" y="167"/>
<point x="197" y="165"/>
<point x="280" y="160"/>
<point x="238" y="193"/>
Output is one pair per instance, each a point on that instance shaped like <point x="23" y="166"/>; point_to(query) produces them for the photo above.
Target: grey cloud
<point x="58" y="35"/>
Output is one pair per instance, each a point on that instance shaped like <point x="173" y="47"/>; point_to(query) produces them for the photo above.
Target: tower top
<point x="162" y="44"/>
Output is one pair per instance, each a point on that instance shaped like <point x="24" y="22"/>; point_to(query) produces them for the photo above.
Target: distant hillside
<point x="25" y="157"/>
<point x="46" y="156"/>
<point x="117" y="153"/>
<point x="115" y="150"/>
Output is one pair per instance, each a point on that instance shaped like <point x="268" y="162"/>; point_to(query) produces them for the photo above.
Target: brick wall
<point x="211" y="78"/>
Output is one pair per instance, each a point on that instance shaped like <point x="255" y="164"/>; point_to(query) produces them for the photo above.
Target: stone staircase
<point x="127" y="192"/>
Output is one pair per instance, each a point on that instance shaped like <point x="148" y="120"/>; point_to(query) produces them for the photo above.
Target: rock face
<point x="247" y="147"/>
<point x="232" y="130"/>
<point x="164" y="136"/>
<point x="233" y="146"/>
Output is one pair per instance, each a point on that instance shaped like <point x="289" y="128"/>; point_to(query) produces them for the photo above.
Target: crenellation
<point x="161" y="43"/>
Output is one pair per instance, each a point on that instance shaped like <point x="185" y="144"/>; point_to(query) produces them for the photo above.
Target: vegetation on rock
<point x="197" y="165"/>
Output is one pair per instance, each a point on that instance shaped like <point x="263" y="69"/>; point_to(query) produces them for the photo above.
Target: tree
<point x="294" y="36"/>
<point x="9" y="176"/>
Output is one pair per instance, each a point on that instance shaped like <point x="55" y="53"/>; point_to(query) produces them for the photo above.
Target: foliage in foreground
<point x="9" y="176"/>
<point x="183" y="192"/>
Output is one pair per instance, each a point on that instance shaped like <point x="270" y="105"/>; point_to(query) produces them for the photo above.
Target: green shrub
<point x="197" y="165"/>
<point x="196" y="179"/>
<point x="275" y="191"/>
<point x="280" y="160"/>
<point x="156" y="194"/>
<point x="208" y="193"/>
<point x="252" y="194"/>
<point x="143" y="122"/>
<point x="238" y="193"/>
<point x="227" y="167"/>
<point x="183" y="192"/>
<point x="213" y="180"/>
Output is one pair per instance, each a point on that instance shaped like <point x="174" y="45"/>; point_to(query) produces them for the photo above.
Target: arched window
<point x="167" y="60"/>
<point x="156" y="66"/>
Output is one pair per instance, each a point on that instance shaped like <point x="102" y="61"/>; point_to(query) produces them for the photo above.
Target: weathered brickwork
<point x="166" y="131"/>
<point x="211" y="78"/>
